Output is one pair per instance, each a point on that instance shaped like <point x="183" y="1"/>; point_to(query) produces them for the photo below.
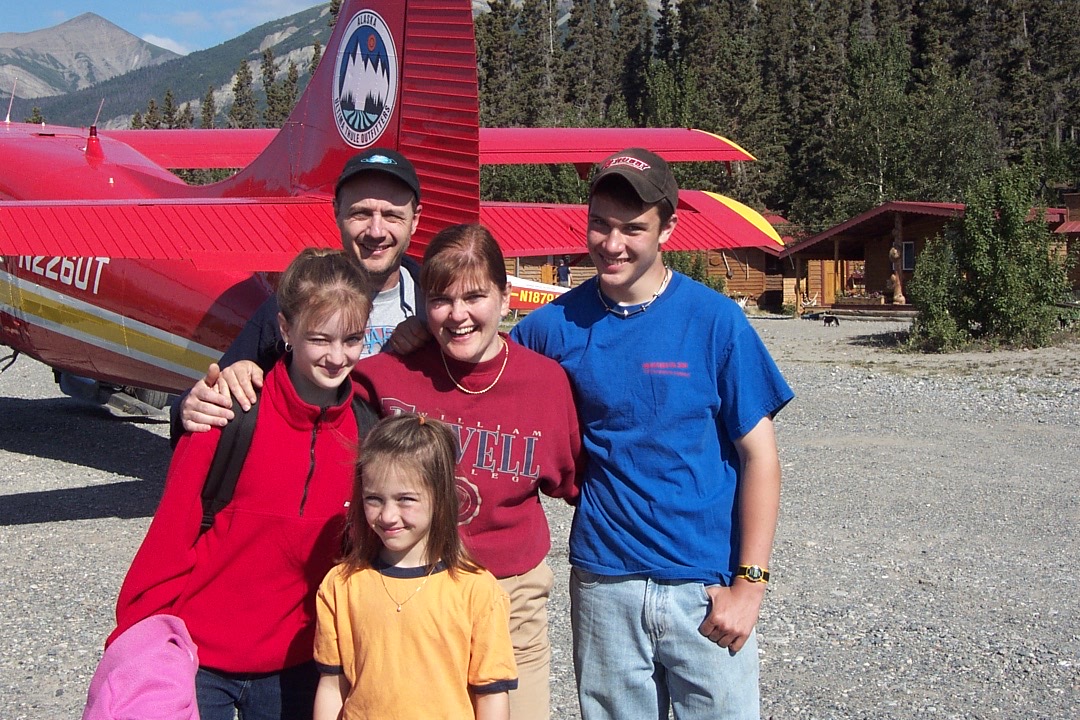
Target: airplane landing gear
<point x="129" y="403"/>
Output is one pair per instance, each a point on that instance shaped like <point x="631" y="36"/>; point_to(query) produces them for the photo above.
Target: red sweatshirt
<point x="246" y="588"/>
<point x="516" y="440"/>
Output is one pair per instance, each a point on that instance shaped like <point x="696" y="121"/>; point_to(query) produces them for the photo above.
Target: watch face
<point x="753" y="573"/>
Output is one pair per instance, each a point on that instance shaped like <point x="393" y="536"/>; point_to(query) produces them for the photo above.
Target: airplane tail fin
<point x="395" y="73"/>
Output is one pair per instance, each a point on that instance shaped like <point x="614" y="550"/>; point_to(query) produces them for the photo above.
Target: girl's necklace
<point x="623" y="312"/>
<point x="462" y="388"/>
<point x="414" y="592"/>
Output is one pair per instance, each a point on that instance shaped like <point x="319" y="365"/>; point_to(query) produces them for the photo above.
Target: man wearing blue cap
<point x="377" y="209"/>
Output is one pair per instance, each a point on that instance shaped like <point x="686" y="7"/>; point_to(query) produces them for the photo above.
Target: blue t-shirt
<point x="661" y="395"/>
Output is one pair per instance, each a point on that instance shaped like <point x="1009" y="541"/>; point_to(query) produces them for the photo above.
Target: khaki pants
<point x="529" y="632"/>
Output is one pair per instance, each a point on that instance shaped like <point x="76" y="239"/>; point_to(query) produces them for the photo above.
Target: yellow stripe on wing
<point x="750" y="215"/>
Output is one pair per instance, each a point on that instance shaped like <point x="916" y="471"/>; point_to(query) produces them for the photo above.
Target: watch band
<point x="753" y="573"/>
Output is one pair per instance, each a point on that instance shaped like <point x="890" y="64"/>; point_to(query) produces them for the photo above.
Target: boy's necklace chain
<point x="625" y="313"/>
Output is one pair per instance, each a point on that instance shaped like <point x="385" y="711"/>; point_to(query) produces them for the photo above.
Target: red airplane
<point x="120" y="276"/>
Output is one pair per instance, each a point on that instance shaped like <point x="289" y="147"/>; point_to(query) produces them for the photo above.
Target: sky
<point x="182" y="27"/>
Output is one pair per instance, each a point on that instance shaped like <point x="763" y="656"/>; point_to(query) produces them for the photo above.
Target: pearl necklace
<point x="462" y="388"/>
<point x="623" y="312"/>
<point x="414" y="592"/>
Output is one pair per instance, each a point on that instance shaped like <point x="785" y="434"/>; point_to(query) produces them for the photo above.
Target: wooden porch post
<point x="798" y="286"/>
<point x="837" y="283"/>
<point x="896" y="255"/>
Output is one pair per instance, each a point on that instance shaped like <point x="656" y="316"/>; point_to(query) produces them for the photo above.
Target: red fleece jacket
<point x="246" y="588"/>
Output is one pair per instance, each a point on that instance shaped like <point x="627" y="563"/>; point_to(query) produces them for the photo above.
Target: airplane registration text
<point x="83" y="273"/>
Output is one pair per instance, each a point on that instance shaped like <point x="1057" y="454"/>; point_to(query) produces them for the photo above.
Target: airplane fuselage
<point x="147" y="323"/>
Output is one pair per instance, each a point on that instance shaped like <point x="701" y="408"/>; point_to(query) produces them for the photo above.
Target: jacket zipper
<point x="311" y="463"/>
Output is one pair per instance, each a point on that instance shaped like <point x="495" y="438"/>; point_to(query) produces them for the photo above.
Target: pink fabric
<point x="147" y="673"/>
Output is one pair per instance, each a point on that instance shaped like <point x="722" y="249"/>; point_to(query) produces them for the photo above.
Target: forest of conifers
<point x="844" y="103"/>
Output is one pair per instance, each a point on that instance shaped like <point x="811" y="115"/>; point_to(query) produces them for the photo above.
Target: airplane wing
<point x="224" y="148"/>
<point x="707" y="221"/>
<point x="524" y="146"/>
<point x="529" y="294"/>
<point x="267" y="233"/>
<point x="196" y="149"/>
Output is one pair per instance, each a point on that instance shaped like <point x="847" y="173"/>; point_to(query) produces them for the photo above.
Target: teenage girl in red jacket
<point x="246" y="587"/>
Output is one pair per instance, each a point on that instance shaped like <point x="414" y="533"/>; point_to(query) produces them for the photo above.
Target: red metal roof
<point x="874" y="216"/>
<point x="531" y="229"/>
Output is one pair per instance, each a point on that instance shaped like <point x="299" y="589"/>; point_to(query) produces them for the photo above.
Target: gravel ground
<point x="924" y="562"/>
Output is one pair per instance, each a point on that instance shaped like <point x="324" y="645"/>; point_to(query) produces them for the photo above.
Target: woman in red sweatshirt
<point x="517" y="429"/>
<point x="245" y="588"/>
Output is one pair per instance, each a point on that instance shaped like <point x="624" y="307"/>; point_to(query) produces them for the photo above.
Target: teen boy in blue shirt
<point x="672" y="536"/>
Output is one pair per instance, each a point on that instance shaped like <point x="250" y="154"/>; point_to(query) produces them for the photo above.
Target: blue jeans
<point x="285" y="695"/>
<point x="637" y="652"/>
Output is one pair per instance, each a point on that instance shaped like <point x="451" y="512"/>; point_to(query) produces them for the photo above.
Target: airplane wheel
<point x="154" y="398"/>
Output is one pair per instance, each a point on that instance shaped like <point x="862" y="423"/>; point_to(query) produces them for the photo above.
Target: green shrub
<point x="995" y="277"/>
<point x="693" y="265"/>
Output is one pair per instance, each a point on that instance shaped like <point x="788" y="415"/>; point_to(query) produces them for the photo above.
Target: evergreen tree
<point x="276" y="108"/>
<point x="289" y="90"/>
<point x="953" y="142"/>
<point x="583" y="105"/>
<point x="1055" y="30"/>
<point x="243" y="112"/>
<point x="152" y="119"/>
<point x="589" y="70"/>
<point x="934" y="37"/>
<point x="1020" y="117"/>
<point x="775" y="44"/>
<point x="316" y="56"/>
<point x="532" y="183"/>
<point x="814" y="104"/>
<point x="335" y="9"/>
<point x="494" y="37"/>
<point x="605" y="78"/>
<point x="532" y="57"/>
<point x="721" y="80"/>
<point x="168" y="110"/>
<point x="663" y="101"/>
<point x="667" y="27"/>
<point x="36" y="118"/>
<point x="137" y="121"/>
<point x="873" y="142"/>
<point x="186" y="119"/>
<point x="208" y="110"/>
<point x="979" y="55"/>
<point x="633" y="42"/>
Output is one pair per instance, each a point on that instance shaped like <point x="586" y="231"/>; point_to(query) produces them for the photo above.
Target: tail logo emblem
<point x="365" y="80"/>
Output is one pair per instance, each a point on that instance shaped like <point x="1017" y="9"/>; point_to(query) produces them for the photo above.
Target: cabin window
<point x="909" y="255"/>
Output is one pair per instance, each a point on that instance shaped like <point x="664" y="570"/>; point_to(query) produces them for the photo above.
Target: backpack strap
<point x="232" y="450"/>
<point x="366" y="417"/>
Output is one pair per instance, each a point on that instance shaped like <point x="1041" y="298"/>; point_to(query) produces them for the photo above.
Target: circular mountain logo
<point x="365" y="80"/>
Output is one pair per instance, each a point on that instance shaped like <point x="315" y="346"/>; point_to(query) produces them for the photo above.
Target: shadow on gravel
<point x="87" y="436"/>
<point x="894" y="340"/>
<point x="125" y="500"/>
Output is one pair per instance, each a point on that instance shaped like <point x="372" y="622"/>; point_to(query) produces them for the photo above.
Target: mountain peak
<point x="73" y="55"/>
